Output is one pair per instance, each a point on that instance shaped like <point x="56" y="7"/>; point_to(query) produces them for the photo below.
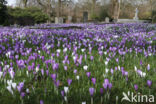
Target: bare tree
<point x="116" y="9"/>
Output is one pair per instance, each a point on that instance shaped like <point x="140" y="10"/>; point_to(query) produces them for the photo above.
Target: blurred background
<point x="30" y="12"/>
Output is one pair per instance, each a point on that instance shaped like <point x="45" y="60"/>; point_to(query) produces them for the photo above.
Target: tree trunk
<point x="93" y="6"/>
<point x="116" y="12"/>
<point x="59" y="8"/>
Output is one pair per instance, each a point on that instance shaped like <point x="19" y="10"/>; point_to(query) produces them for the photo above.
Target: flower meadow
<point x="76" y="63"/>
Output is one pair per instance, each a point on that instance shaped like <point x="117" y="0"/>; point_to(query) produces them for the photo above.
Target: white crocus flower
<point x="37" y="69"/>
<point x="66" y="89"/>
<point x="65" y="50"/>
<point x="58" y="50"/>
<point x="107" y="70"/>
<point x="135" y="68"/>
<point x="119" y="67"/>
<point x="77" y="77"/>
<point x="14" y="85"/>
<point x="65" y="98"/>
<point x="106" y="63"/>
<point x="83" y="102"/>
<point x="82" y="50"/>
<point x="27" y="90"/>
<point x="105" y="53"/>
<point x="85" y="67"/>
<point x="12" y="74"/>
<point x="1" y="73"/>
<point x="143" y="74"/>
<point x="9" y="82"/>
<point x="9" y="89"/>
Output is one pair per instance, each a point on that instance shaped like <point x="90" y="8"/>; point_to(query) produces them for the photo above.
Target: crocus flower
<point x="62" y="93"/>
<point x="22" y="94"/>
<point x="77" y="77"/>
<point x="20" y="86"/>
<point x="83" y="102"/>
<point x="53" y="76"/>
<point x="42" y="72"/>
<point x="1" y="73"/>
<point x="91" y="57"/>
<point x="93" y="80"/>
<point x="136" y="87"/>
<point x="14" y="85"/>
<point x="91" y="91"/>
<point x="12" y="74"/>
<point x="101" y="91"/>
<point x="66" y="89"/>
<point x="75" y="71"/>
<point x="85" y="67"/>
<point x="88" y="74"/>
<point x="69" y="81"/>
<point x="149" y="83"/>
<point x="110" y="86"/>
<point x="20" y="63"/>
<point x="55" y="66"/>
<point x="148" y="67"/>
<point x="65" y="68"/>
<point x="41" y="102"/>
<point x="57" y="83"/>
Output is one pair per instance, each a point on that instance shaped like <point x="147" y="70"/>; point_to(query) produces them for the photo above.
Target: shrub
<point x="154" y="16"/>
<point x="27" y="16"/>
<point x="3" y="12"/>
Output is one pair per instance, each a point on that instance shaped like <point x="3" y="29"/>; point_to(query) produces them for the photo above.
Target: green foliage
<point x="103" y="14"/>
<point x="3" y="12"/>
<point x="154" y="16"/>
<point x="27" y="16"/>
<point x="94" y="16"/>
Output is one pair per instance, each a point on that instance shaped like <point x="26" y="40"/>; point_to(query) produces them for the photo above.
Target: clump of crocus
<point x="107" y="84"/>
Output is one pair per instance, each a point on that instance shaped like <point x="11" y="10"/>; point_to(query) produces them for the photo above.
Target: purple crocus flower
<point x="75" y="71"/>
<point x="141" y="62"/>
<point x="91" y="91"/>
<point x="110" y="86"/>
<point x="55" y="66"/>
<point x="148" y="67"/>
<point x="22" y="94"/>
<point x="112" y="71"/>
<point x="69" y="81"/>
<point x="106" y="81"/>
<point x="47" y="72"/>
<point x="57" y="83"/>
<point x="93" y="80"/>
<point x="149" y="83"/>
<point x="53" y="76"/>
<point x="136" y="87"/>
<point x="42" y="72"/>
<point x="88" y="74"/>
<point x="20" y="86"/>
<point x="106" y="84"/>
<point x="62" y="93"/>
<point x="101" y="91"/>
<point x="41" y="102"/>
<point x="20" y="63"/>
<point x="65" y="68"/>
<point x="91" y="57"/>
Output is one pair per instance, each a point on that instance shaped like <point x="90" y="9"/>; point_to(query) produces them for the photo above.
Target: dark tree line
<point x="3" y="11"/>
